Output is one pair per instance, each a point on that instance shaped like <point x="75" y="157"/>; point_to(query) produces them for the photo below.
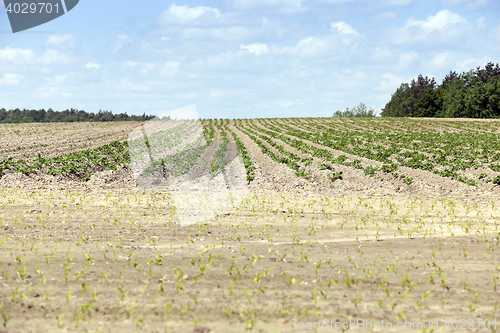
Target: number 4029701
<point x="462" y="324"/>
<point x="32" y="8"/>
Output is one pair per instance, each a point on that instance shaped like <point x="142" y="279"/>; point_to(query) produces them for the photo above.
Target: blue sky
<point x="241" y="58"/>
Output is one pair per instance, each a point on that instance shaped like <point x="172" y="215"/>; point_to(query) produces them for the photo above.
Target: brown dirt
<point x="107" y="256"/>
<point x="54" y="139"/>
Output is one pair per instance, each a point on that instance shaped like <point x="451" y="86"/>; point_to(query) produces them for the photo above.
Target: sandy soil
<point x="107" y="256"/>
<point x="53" y="139"/>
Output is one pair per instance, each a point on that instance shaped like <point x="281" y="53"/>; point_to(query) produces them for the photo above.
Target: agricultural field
<point x="349" y="224"/>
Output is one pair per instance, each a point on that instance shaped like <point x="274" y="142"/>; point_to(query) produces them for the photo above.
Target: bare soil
<point x="108" y="256"/>
<point x="54" y="139"/>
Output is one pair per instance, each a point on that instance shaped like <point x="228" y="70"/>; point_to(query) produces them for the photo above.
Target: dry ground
<point x="106" y="256"/>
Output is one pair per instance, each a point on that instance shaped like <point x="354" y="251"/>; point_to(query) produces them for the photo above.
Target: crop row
<point x="291" y="160"/>
<point x="163" y="138"/>
<point x="247" y="161"/>
<point x="106" y="157"/>
<point x="398" y="148"/>
<point x="415" y="144"/>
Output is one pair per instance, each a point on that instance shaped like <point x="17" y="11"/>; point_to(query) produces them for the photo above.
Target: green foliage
<point x="473" y="94"/>
<point x="69" y="115"/>
<point x="389" y="168"/>
<point x="358" y="111"/>
<point x="472" y="98"/>
<point x="283" y="156"/>
<point x="247" y="161"/>
<point x="370" y="170"/>
<point x="105" y="157"/>
<point x="401" y="103"/>
<point x="324" y="166"/>
<point x="453" y="99"/>
<point x="394" y="148"/>
<point x="430" y="103"/>
<point x="408" y="180"/>
<point x="335" y="175"/>
<point x="219" y="161"/>
<point x="496" y="181"/>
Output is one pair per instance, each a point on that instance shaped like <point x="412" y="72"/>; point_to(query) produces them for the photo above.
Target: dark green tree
<point x="493" y="92"/>
<point x="401" y="103"/>
<point x="430" y="104"/>
<point x="454" y="96"/>
<point x="420" y="86"/>
<point x="489" y="71"/>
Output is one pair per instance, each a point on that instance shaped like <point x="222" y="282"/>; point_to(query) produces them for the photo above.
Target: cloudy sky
<point x="241" y="58"/>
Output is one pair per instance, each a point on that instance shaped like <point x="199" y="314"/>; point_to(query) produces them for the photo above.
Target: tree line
<point x="473" y="94"/>
<point x="69" y="115"/>
<point x="358" y="111"/>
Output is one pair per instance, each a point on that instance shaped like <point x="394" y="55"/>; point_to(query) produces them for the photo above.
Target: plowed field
<point x="359" y="224"/>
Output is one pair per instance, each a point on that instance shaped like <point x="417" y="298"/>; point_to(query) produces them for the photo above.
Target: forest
<point x="69" y="115"/>
<point x="473" y="94"/>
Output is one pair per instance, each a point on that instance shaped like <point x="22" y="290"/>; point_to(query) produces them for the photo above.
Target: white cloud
<point x="121" y="41"/>
<point x="130" y="63"/>
<point x="482" y="23"/>
<point x="256" y="48"/>
<point x="93" y="65"/>
<point x="58" y="80"/>
<point x="284" y="6"/>
<point x="145" y="67"/>
<point x="382" y="54"/>
<point x="353" y="80"/>
<point x="345" y="32"/>
<point x="50" y="92"/>
<point x="384" y="17"/>
<point x="343" y="28"/>
<point x="396" y="2"/>
<point x="441" y="61"/>
<point x="221" y="60"/>
<point x="170" y="68"/>
<point x="442" y="19"/>
<point x="126" y="85"/>
<point x="286" y="104"/>
<point x="185" y="14"/>
<point x="11" y="79"/>
<point x="478" y="4"/>
<point x="189" y="97"/>
<point x="17" y="56"/>
<point x="471" y="63"/>
<point x="216" y="93"/>
<point x="390" y="82"/>
<point x="408" y="60"/>
<point x="283" y="50"/>
<point x="313" y="46"/>
<point x="51" y="57"/>
<point x="342" y="34"/>
<point x="226" y="33"/>
<point x="471" y="4"/>
<point x="335" y="2"/>
<point x="61" y="41"/>
<point x="496" y="33"/>
<point x="187" y="112"/>
<point x="442" y="26"/>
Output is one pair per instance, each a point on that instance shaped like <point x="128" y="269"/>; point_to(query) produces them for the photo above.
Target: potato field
<point x="363" y="225"/>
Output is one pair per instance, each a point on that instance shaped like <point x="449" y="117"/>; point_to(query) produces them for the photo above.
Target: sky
<point x="241" y="58"/>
